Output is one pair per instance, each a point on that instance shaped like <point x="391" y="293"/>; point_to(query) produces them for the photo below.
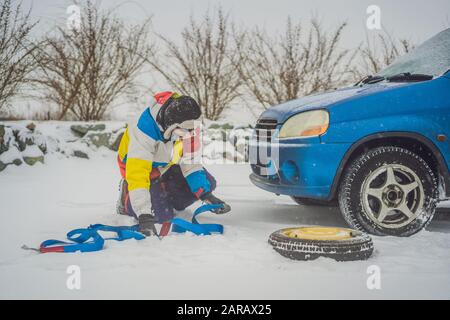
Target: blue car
<point x="380" y="149"/>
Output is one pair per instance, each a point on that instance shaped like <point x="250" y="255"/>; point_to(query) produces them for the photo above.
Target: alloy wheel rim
<point x="393" y="196"/>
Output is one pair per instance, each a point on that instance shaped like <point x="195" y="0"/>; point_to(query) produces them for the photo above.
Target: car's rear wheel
<point x="314" y="202"/>
<point x="388" y="191"/>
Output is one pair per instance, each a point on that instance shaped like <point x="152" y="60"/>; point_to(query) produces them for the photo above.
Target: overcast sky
<point x="415" y="20"/>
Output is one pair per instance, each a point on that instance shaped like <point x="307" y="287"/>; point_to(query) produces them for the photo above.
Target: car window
<point x="432" y="58"/>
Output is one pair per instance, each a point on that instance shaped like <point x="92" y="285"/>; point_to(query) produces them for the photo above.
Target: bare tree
<point x="379" y="52"/>
<point x="277" y="69"/>
<point x="16" y="51"/>
<point x="86" y="69"/>
<point x="201" y="67"/>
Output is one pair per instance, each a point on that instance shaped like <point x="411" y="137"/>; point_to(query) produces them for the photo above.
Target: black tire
<point x="314" y="202"/>
<point x="351" y="195"/>
<point x="359" y="247"/>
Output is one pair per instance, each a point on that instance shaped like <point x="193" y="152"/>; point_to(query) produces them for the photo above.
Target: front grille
<point x="264" y="131"/>
<point x="269" y="124"/>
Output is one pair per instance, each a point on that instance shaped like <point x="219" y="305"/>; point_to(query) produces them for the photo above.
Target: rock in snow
<point x="82" y="140"/>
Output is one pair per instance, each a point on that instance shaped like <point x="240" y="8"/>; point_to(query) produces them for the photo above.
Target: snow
<point x="47" y="200"/>
<point x="10" y="155"/>
<point x="32" y="151"/>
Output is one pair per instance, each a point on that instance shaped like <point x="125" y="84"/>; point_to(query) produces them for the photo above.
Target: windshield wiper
<point x="409" y="77"/>
<point x="370" y="79"/>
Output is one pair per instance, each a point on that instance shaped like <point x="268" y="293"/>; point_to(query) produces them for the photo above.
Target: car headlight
<point x="306" y="124"/>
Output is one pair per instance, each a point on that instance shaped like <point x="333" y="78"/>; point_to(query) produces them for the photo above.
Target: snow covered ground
<point x="46" y="201"/>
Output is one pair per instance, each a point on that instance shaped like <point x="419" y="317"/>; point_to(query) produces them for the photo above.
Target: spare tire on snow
<point x="309" y="243"/>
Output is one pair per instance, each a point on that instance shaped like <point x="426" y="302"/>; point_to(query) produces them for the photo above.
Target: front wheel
<point x="388" y="191"/>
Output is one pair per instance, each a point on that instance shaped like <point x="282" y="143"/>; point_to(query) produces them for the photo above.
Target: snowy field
<point x="46" y="201"/>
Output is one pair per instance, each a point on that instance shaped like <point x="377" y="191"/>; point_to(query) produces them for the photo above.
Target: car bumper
<point x="305" y="168"/>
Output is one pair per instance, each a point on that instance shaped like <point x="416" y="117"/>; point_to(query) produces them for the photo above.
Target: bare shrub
<point x="202" y="66"/>
<point x="16" y="50"/>
<point x="379" y="52"/>
<point x="84" y="70"/>
<point x="297" y="63"/>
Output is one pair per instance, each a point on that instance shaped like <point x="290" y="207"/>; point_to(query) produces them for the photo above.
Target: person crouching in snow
<point x="154" y="180"/>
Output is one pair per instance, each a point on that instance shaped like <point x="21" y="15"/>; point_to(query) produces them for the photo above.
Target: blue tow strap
<point x="89" y="240"/>
<point x="181" y="226"/>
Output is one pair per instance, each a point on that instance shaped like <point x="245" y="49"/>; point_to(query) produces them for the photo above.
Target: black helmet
<point x="178" y="109"/>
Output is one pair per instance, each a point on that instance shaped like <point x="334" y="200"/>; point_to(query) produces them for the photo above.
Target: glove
<point x="211" y="199"/>
<point x="147" y="224"/>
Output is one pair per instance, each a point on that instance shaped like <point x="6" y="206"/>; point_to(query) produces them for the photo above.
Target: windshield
<point x="432" y="58"/>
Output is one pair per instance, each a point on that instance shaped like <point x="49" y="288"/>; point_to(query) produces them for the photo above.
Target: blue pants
<point x="171" y="191"/>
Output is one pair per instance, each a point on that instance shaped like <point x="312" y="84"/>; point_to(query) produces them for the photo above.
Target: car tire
<point x="388" y="191"/>
<point x="314" y="202"/>
<point x="355" y="246"/>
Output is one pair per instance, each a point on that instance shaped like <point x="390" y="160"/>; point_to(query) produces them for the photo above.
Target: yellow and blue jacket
<point x="143" y="149"/>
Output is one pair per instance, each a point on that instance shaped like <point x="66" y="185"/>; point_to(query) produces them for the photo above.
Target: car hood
<point x="325" y="100"/>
